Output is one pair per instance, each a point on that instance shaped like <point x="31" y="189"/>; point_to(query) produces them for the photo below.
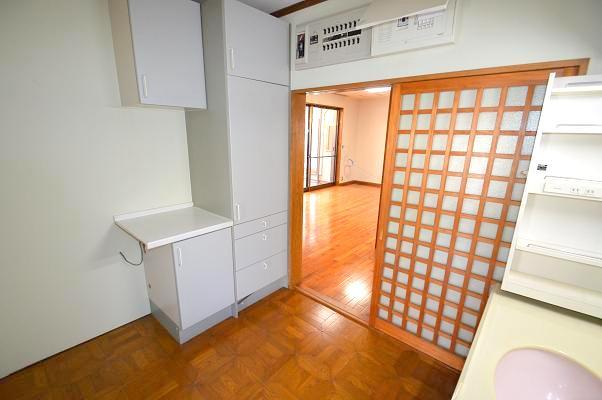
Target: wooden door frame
<point x="297" y="139"/>
<point x="337" y="166"/>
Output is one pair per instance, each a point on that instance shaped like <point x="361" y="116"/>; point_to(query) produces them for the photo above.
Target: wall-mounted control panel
<point x="332" y="40"/>
<point x="417" y="31"/>
<point x="337" y="39"/>
<point x="573" y="187"/>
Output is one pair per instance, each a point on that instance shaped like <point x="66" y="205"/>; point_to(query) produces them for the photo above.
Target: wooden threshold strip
<point x="330" y="303"/>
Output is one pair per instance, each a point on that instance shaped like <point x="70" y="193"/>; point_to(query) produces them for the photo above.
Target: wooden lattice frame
<point x="394" y="318"/>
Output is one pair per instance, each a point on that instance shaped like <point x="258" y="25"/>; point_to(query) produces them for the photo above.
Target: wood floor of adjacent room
<point x="285" y="347"/>
<point x="339" y="233"/>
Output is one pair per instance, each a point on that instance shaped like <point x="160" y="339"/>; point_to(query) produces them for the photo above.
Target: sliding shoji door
<point x="457" y="155"/>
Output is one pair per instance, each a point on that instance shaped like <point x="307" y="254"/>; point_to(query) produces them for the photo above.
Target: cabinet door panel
<point x="168" y="48"/>
<point x="258" y="119"/>
<point x="256" y="44"/>
<point x="204" y="275"/>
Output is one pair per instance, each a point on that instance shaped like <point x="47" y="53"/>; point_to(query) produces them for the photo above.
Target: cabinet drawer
<point x="260" y="274"/>
<point x="258" y="225"/>
<point x="254" y="248"/>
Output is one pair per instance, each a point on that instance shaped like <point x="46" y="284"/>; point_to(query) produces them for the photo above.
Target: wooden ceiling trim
<point x="296" y="7"/>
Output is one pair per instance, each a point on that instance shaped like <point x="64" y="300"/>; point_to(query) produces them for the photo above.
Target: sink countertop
<point x="155" y="228"/>
<point x="511" y="322"/>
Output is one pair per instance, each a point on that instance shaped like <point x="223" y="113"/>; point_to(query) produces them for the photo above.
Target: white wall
<point x="370" y="137"/>
<point x="489" y="33"/>
<point x="70" y="158"/>
<point x="363" y="136"/>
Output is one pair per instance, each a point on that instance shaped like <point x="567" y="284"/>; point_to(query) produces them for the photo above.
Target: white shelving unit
<point x="556" y="253"/>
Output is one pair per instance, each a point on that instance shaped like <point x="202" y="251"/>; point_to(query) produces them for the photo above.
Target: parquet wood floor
<point x="339" y="232"/>
<point x="285" y="347"/>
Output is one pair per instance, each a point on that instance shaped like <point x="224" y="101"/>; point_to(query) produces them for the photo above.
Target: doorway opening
<point x="321" y="146"/>
<point x="447" y="209"/>
<point x="345" y="135"/>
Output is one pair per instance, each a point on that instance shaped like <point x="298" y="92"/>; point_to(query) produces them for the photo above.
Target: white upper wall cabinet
<point x="159" y="52"/>
<point x="256" y="44"/>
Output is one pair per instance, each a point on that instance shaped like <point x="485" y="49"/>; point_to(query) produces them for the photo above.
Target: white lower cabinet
<point x="191" y="283"/>
<point x="204" y="276"/>
<point x="260" y="250"/>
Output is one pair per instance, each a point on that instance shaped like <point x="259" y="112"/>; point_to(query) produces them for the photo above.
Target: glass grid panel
<point x="456" y="198"/>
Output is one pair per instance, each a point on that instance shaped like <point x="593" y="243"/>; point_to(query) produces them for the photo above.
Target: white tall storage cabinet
<point x="238" y="147"/>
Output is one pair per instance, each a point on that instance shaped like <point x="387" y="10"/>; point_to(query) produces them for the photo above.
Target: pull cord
<point x="141" y="256"/>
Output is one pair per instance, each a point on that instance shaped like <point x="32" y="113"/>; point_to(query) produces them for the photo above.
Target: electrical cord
<point x="141" y="256"/>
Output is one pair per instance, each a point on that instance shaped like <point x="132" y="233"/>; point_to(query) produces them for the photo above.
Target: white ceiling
<point x="269" y="6"/>
<point x="362" y="94"/>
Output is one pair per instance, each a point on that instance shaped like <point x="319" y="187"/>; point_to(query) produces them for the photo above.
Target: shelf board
<point x="592" y="89"/>
<point x="574" y="130"/>
<point x="559" y="251"/>
<point x="552" y="292"/>
<point x="563" y="196"/>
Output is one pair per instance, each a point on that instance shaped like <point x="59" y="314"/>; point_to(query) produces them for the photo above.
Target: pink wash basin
<point x="532" y="374"/>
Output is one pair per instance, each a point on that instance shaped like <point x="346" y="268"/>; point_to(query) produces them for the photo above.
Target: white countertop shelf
<point x="158" y="227"/>
<point x="513" y="322"/>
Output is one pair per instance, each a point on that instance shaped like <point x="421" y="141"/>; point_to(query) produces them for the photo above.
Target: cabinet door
<point x="258" y="122"/>
<point x="204" y="275"/>
<point x="168" y="50"/>
<point x="257" y="44"/>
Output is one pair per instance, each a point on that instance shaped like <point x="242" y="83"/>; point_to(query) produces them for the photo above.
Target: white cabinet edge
<point x="122" y="222"/>
<point x="144" y="213"/>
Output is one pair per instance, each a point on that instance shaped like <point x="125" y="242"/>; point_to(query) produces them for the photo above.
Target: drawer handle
<point x="264" y="237"/>
<point x="264" y="224"/>
<point x="265" y="265"/>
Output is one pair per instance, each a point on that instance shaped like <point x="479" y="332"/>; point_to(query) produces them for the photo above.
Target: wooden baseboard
<point x="359" y="183"/>
<point x="367" y="183"/>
